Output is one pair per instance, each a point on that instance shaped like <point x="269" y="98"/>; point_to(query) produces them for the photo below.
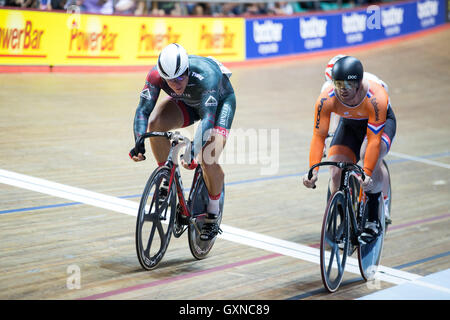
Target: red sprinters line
<point x="412" y="223"/>
<point x="404" y="225"/>
<point x="180" y="277"/>
<point x="231" y="265"/>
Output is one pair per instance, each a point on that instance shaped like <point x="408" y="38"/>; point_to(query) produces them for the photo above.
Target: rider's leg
<point x="344" y="147"/>
<point x="213" y="176"/>
<point x="339" y="153"/>
<point x="166" y="116"/>
<point x="379" y="178"/>
<point x="212" y="171"/>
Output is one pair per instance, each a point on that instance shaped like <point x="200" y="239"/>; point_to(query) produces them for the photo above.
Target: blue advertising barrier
<point x="278" y="36"/>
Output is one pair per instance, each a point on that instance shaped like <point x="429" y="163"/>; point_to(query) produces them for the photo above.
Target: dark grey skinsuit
<point x="208" y="96"/>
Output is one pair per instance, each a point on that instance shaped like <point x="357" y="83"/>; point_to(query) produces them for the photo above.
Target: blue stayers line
<point x="138" y="195"/>
<point x="406" y="265"/>
<point x="41" y="207"/>
<point x="438" y="155"/>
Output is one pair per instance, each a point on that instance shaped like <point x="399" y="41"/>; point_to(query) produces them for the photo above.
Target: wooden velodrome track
<point x="76" y="130"/>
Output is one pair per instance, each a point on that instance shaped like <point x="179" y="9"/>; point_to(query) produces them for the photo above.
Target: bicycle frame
<point x="348" y="169"/>
<point x="177" y="143"/>
<point x="345" y="187"/>
<point x="188" y="213"/>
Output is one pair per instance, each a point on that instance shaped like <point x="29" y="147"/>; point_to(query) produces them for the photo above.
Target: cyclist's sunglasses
<point x="346" y="84"/>
<point x="180" y="78"/>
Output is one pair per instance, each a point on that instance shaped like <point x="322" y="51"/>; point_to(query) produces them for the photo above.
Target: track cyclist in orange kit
<point x="365" y="131"/>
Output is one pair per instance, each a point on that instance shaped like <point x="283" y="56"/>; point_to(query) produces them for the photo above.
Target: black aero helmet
<point x="348" y="68"/>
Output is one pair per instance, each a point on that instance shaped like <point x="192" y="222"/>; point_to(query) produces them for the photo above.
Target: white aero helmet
<point x="328" y="75"/>
<point x="172" y="61"/>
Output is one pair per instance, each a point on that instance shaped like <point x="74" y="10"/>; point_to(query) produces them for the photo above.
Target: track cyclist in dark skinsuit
<point x="199" y="89"/>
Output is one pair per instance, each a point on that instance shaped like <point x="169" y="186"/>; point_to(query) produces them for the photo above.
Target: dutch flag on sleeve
<point x="376" y="128"/>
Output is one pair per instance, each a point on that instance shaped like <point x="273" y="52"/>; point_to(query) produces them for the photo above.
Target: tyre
<point x="155" y="219"/>
<point x="388" y="221"/>
<point x="369" y="254"/>
<point x="199" y="201"/>
<point x="334" y="242"/>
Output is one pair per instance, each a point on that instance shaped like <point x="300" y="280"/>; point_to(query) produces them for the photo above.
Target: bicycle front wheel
<point x="334" y="242"/>
<point x="155" y="219"/>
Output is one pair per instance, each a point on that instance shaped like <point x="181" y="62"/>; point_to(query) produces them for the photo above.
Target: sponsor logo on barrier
<point x="427" y="11"/>
<point x="268" y="31"/>
<point x="219" y="39"/>
<point x="354" y="22"/>
<point x="267" y="35"/>
<point x="391" y="20"/>
<point x="313" y="28"/>
<point x="154" y="42"/>
<point x="312" y="31"/>
<point x="92" y="42"/>
<point x="26" y="38"/>
<point x="448" y="10"/>
<point x="353" y="26"/>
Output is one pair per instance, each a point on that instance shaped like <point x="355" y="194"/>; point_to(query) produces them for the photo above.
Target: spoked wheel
<point x="200" y="248"/>
<point x="155" y="219"/>
<point x="388" y="220"/>
<point x="334" y="242"/>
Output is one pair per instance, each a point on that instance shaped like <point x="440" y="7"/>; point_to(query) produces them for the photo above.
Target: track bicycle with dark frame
<point x="388" y="220"/>
<point x="342" y="228"/>
<point x="164" y="210"/>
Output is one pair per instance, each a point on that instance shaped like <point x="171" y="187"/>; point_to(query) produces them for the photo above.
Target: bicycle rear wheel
<point x="200" y="248"/>
<point x="155" y="219"/>
<point x="334" y="242"/>
<point x="388" y="220"/>
<point x="369" y="254"/>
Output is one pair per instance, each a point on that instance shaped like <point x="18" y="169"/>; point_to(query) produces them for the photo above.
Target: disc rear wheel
<point x="200" y="248"/>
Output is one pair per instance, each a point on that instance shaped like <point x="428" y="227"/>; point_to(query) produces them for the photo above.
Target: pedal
<point x="388" y="221"/>
<point x="181" y="218"/>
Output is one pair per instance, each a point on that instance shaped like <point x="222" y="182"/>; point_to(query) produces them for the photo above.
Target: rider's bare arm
<point x="377" y="110"/>
<point x="147" y="101"/>
<point x="320" y="131"/>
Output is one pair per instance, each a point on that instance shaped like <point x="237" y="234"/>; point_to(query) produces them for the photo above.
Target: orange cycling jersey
<point x="373" y="109"/>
